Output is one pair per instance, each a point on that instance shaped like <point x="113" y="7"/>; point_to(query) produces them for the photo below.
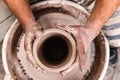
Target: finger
<point x="36" y="30"/>
<point x="81" y="54"/>
<point x="81" y="60"/>
<point x="28" y="47"/>
<point x="28" y="41"/>
<point x="38" y="34"/>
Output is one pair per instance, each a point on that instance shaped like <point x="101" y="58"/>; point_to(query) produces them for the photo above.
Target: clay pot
<point x="49" y="67"/>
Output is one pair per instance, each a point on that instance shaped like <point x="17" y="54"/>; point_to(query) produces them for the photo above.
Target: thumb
<point x="81" y="53"/>
<point x="29" y="37"/>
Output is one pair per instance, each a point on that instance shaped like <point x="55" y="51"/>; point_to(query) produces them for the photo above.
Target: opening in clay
<point x="54" y="51"/>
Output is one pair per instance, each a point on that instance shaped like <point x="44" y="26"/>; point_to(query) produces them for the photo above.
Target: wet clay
<point x="47" y="15"/>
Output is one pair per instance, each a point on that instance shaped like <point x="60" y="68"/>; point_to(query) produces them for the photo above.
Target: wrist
<point x="30" y="25"/>
<point x="94" y="27"/>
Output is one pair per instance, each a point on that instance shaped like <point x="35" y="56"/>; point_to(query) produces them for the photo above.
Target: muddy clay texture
<point x="48" y="21"/>
<point x="48" y="15"/>
<point x="2" y="72"/>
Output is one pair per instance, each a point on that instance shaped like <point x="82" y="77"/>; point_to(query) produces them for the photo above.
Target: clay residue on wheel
<point x="41" y="12"/>
<point x="99" y="58"/>
<point x="58" y="8"/>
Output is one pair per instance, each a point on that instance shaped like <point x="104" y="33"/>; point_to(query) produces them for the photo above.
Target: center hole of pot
<point x="54" y="51"/>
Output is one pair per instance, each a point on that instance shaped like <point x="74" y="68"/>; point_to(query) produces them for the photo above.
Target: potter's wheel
<point x="49" y="13"/>
<point x="54" y="74"/>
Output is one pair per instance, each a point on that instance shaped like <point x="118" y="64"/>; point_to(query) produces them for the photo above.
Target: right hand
<point x="84" y="35"/>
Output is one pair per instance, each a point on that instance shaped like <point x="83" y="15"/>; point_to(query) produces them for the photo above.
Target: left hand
<point x="31" y="33"/>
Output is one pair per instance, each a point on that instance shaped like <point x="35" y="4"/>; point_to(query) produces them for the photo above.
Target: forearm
<point x="21" y="9"/>
<point x="101" y="13"/>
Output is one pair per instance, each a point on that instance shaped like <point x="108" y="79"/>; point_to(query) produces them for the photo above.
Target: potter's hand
<point x="84" y="36"/>
<point x="31" y="32"/>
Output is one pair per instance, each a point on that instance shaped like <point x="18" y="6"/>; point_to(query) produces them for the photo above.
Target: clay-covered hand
<point x="31" y="33"/>
<point x="84" y="36"/>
